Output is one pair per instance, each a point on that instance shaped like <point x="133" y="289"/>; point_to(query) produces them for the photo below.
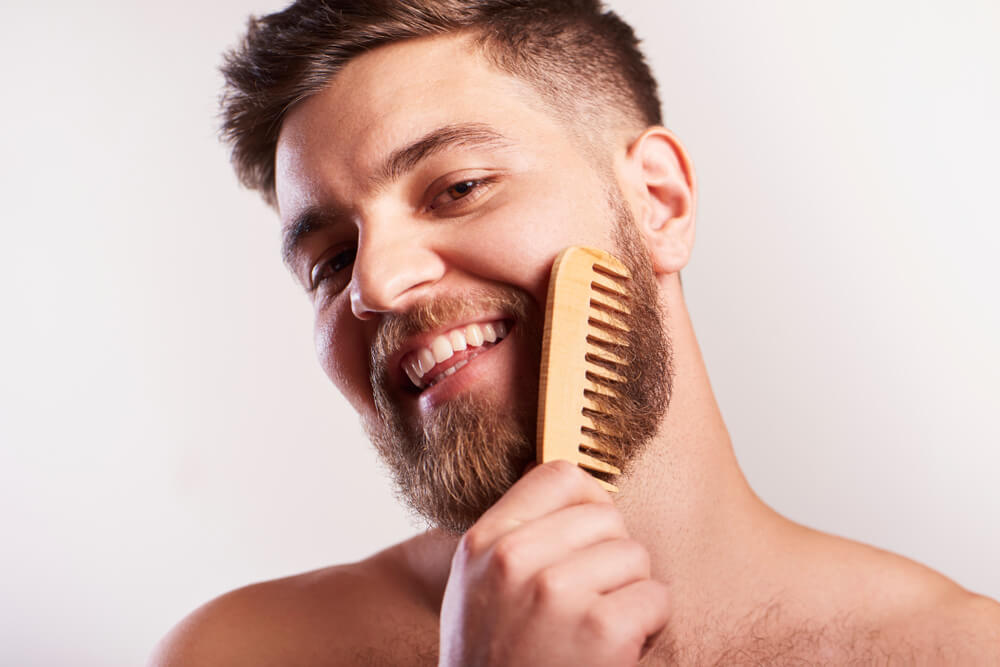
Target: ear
<point x="663" y="185"/>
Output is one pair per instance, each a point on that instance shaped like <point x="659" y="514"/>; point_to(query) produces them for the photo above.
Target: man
<point x="429" y="159"/>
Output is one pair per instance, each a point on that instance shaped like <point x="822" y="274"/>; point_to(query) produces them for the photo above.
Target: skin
<point x="685" y="565"/>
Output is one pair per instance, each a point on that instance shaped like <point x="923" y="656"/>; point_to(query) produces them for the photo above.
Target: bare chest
<point x="415" y="643"/>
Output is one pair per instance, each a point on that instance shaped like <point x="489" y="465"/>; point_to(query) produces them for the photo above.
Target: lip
<point x="486" y="362"/>
<point x="400" y="379"/>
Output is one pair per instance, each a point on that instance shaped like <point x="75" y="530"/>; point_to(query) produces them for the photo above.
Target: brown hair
<point x="583" y="60"/>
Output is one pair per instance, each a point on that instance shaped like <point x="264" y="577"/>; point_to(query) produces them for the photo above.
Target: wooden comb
<point x="586" y="314"/>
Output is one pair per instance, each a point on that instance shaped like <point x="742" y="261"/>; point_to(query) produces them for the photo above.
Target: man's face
<point x="425" y="196"/>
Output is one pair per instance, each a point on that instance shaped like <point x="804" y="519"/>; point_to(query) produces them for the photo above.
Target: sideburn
<point x="631" y="419"/>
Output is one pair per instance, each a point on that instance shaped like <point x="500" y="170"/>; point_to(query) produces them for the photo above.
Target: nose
<point x="391" y="271"/>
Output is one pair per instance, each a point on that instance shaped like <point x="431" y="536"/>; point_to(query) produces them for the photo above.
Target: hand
<point x="549" y="576"/>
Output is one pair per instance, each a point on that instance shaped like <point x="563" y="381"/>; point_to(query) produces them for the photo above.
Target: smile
<point x="451" y="351"/>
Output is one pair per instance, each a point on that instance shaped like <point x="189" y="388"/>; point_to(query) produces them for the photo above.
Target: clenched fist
<point x="549" y="576"/>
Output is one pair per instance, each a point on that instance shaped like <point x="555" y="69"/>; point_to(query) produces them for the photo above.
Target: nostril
<point x="361" y="310"/>
<point x="389" y="276"/>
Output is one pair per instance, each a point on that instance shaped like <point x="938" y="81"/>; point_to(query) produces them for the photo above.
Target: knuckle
<point x="473" y="544"/>
<point x="614" y="632"/>
<point x="612" y="517"/>
<point x="601" y="626"/>
<point x="560" y="471"/>
<point x="660" y="594"/>
<point x="568" y="476"/>
<point x="508" y="559"/>
<point x="639" y="557"/>
<point x="550" y="586"/>
<point x="562" y="466"/>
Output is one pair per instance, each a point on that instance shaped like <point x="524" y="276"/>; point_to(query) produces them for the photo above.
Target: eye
<point x="332" y="268"/>
<point x="469" y="190"/>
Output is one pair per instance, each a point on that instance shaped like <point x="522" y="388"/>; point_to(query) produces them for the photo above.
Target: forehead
<point x="390" y="96"/>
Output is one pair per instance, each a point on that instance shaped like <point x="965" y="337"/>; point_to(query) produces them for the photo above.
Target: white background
<point x="167" y="434"/>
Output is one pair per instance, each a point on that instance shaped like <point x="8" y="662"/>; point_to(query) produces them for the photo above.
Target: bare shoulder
<point x="923" y="613"/>
<point x="367" y="613"/>
<point x="851" y="603"/>
<point x="956" y="627"/>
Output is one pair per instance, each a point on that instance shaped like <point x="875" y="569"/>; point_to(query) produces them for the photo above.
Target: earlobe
<point x="665" y="185"/>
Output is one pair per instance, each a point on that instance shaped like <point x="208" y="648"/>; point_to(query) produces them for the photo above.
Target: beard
<point x="451" y="466"/>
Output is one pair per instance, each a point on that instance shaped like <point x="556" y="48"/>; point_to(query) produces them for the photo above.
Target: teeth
<point x="474" y="335"/>
<point x="412" y="373"/>
<point x="425" y="359"/>
<point x="443" y="347"/>
<point x="450" y="371"/>
<point x="457" y="339"/>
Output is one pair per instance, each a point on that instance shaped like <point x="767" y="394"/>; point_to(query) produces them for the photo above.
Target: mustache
<point x="396" y="328"/>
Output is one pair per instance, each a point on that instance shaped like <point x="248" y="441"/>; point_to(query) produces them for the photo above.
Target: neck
<point x="686" y="499"/>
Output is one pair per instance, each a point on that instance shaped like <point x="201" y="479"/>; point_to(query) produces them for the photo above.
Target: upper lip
<point x="425" y="339"/>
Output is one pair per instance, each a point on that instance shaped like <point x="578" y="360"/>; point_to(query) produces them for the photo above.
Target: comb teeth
<point x="600" y="354"/>
<point x="610" y="323"/>
<point x="610" y="287"/>
<point x="586" y="326"/>
<point x="591" y="404"/>
<point x="587" y="423"/>
<point x="596" y="464"/>
<point x="610" y="305"/>
<point x="609" y="266"/>
<point x="603" y="376"/>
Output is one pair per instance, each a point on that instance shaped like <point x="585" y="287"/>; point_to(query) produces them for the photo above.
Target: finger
<point x="599" y="568"/>
<point x="556" y="536"/>
<point x="549" y="487"/>
<point x="634" y="612"/>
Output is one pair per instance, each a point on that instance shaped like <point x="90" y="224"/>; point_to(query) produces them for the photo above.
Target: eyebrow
<point x="459" y="135"/>
<point x="400" y="162"/>
<point x="310" y="221"/>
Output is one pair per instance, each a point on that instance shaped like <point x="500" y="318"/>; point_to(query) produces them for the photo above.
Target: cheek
<point x="518" y="243"/>
<point x="342" y="351"/>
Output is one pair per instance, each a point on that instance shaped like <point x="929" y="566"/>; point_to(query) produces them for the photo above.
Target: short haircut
<point x="583" y="60"/>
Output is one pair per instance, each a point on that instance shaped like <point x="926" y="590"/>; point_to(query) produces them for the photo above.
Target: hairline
<point x="596" y="144"/>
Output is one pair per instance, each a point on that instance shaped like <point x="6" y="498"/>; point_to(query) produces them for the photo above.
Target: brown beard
<point x="452" y="466"/>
